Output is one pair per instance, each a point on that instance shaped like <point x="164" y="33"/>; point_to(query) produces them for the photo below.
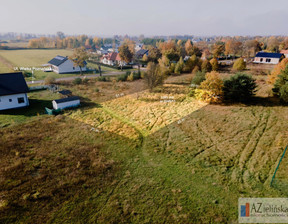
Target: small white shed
<point x="68" y="102"/>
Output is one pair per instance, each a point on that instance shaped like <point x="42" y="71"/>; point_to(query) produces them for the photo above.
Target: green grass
<point x="33" y="58"/>
<point x="37" y="100"/>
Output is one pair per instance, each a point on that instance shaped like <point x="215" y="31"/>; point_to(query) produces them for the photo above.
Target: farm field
<point x="143" y="157"/>
<point x="9" y="59"/>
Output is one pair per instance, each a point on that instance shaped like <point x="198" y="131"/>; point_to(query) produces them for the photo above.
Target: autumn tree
<point x="188" y="47"/>
<point x="251" y="47"/>
<point x="154" y="75"/>
<point x="273" y="44"/>
<point x="214" y="64"/>
<point x="239" y="65"/>
<point x="79" y="58"/>
<point x="125" y="53"/>
<point x="212" y="88"/>
<point x="154" y="55"/>
<point x="218" y="49"/>
<point x="277" y="70"/>
<point x="206" y="66"/>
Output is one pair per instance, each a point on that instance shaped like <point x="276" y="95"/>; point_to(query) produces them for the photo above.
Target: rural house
<point x="268" y="58"/>
<point x="112" y="59"/>
<point x="62" y="65"/>
<point x="73" y="101"/>
<point x="13" y="91"/>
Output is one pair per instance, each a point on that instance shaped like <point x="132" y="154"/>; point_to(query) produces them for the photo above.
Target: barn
<point x="62" y="65"/>
<point x="73" y="101"/>
<point x="268" y="58"/>
<point x="13" y="91"/>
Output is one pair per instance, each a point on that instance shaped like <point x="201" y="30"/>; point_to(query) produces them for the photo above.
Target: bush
<point x="211" y="88"/>
<point x="49" y="80"/>
<point x="280" y="86"/>
<point x="97" y="90"/>
<point x="239" y="65"/>
<point x="239" y="88"/>
<point x="130" y="77"/>
<point x="123" y="77"/>
<point x="198" y="78"/>
<point x="77" y="81"/>
<point x="85" y="80"/>
<point x="103" y="79"/>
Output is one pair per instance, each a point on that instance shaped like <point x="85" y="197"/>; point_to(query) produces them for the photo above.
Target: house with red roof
<point x="112" y="59"/>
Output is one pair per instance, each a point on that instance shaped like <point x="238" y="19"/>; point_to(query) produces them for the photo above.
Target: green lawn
<point x="33" y="58"/>
<point x="38" y="100"/>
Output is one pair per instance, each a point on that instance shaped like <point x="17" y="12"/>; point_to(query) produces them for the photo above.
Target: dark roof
<point x="268" y="55"/>
<point x="12" y="83"/>
<point x="141" y="53"/>
<point x="112" y="56"/>
<point x="65" y="92"/>
<point x="68" y="99"/>
<point x="58" y="60"/>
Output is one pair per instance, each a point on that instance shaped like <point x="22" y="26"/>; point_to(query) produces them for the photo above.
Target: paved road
<point x="74" y="77"/>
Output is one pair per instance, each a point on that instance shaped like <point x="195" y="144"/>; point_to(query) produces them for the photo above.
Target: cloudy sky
<point x="148" y="17"/>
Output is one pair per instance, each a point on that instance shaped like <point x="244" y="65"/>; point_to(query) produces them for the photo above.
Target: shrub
<point x="49" y="80"/>
<point x="214" y="64"/>
<point x="280" y="86"/>
<point x="97" y="90"/>
<point x="85" y="80"/>
<point x="212" y="88"/>
<point x="130" y="77"/>
<point x="198" y="78"/>
<point x="240" y="88"/>
<point x="123" y="77"/>
<point x="239" y="65"/>
<point x="136" y="75"/>
<point x="103" y="79"/>
<point x="77" y="81"/>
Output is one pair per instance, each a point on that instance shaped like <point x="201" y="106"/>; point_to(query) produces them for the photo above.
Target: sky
<point x="148" y="17"/>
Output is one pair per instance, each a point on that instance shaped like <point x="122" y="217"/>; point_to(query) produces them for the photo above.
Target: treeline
<point x="71" y="42"/>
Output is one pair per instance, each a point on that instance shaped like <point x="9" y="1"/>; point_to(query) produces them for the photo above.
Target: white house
<point x="13" y="91"/>
<point x="268" y="58"/>
<point x="61" y="65"/>
<point x="68" y="102"/>
<point x="112" y="59"/>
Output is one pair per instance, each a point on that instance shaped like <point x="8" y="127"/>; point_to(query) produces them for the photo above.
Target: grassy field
<point x="9" y="59"/>
<point x="38" y="101"/>
<point x="131" y="156"/>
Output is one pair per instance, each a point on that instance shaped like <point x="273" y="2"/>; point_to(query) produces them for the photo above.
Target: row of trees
<point x="70" y="42"/>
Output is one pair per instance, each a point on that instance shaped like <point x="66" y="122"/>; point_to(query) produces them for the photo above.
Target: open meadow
<point x="129" y="155"/>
